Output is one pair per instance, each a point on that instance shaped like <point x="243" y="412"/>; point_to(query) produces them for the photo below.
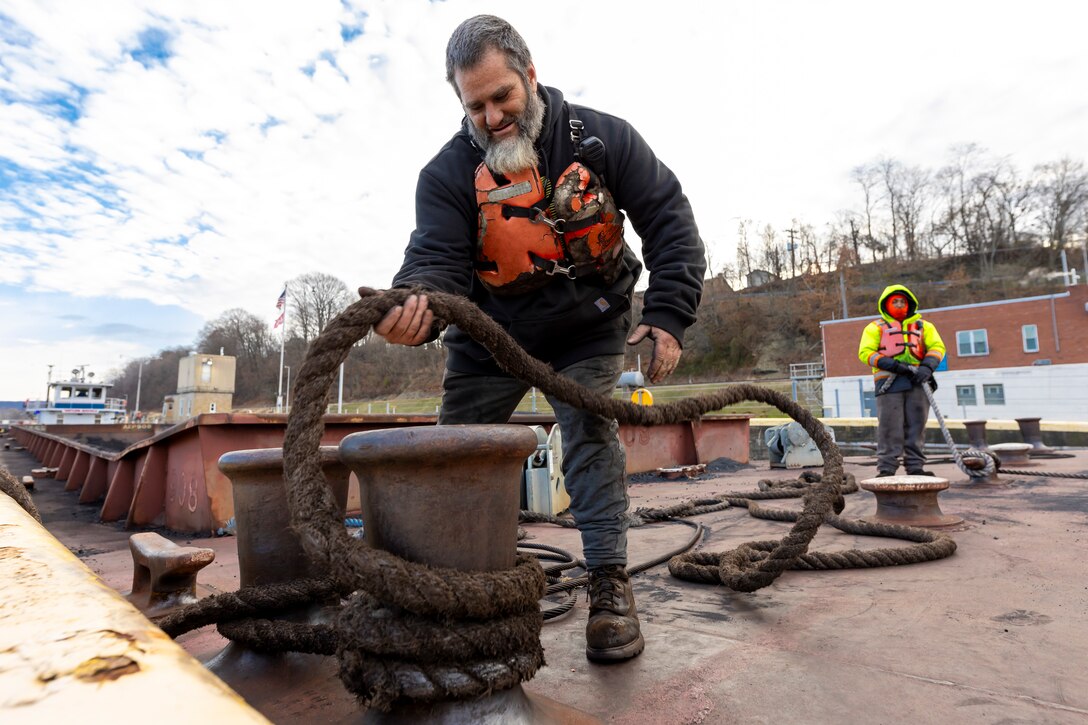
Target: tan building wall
<point x="206" y="374"/>
<point x="205" y="385"/>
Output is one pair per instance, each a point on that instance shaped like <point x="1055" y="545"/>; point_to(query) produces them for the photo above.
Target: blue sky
<point x="161" y="162"/>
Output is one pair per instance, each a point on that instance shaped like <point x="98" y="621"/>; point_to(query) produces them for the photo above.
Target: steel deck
<point x="996" y="633"/>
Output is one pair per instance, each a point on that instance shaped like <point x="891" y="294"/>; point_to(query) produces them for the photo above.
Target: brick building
<point x="1006" y="359"/>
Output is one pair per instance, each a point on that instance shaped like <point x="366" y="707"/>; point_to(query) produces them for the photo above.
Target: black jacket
<point x="567" y="320"/>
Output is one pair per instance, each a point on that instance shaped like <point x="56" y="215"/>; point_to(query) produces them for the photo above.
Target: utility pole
<point x="842" y="293"/>
<point x="791" y="247"/>
<point x="139" y="382"/>
<point x="287" y="405"/>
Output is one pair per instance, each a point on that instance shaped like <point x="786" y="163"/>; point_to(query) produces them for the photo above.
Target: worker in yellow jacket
<point x="903" y="351"/>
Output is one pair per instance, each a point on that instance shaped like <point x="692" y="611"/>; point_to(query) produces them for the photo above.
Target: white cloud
<point x="266" y="171"/>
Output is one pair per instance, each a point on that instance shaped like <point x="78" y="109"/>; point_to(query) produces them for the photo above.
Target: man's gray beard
<point x="510" y="156"/>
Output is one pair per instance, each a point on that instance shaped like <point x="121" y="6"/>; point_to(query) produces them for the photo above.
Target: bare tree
<point x="1015" y="199"/>
<point x="982" y="200"/>
<point x="1061" y="196"/>
<point x="847" y="230"/>
<point x="771" y="254"/>
<point x="868" y="178"/>
<point x="315" y="298"/>
<point x="889" y="174"/>
<point x="709" y="254"/>
<point x="906" y="189"/>
<point x="744" y="250"/>
<point x="910" y="203"/>
<point x="962" y="192"/>
<point x="248" y="338"/>
<point x="730" y="275"/>
<point x="812" y="249"/>
<point x="154" y="377"/>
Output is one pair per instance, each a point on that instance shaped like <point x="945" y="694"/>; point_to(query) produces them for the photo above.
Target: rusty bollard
<point x="1031" y="431"/>
<point x="269" y="552"/>
<point x="908" y="500"/>
<point x="1013" y="454"/>
<point x="163" y="573"/>
<point x="976" y="434"/>
<point x="448" y="496"/>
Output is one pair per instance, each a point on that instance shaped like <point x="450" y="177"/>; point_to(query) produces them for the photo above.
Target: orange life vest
<point x="895" y="339"/>
<point x="526" y="235"/>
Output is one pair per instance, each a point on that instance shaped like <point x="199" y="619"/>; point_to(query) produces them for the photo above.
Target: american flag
<point x="279" y="321"/>
<point x="281" y="302"/>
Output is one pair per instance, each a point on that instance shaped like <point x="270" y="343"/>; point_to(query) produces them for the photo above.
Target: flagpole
<point x="283" y="338"/>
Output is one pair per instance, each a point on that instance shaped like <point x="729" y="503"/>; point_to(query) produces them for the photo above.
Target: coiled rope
<point x="724" y="567"/>
<point x="444" y="609"/>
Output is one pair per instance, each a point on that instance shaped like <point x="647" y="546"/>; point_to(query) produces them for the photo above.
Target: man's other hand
<point x="407" y="324"/>
<point x="666" y="351"/>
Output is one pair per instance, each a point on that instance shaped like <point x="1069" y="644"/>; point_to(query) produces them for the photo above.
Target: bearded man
<point x="520" y="211"/>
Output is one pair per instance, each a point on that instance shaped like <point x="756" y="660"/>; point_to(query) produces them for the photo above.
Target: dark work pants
<point x="901" y="427"/>
<point x="594" y="463"/>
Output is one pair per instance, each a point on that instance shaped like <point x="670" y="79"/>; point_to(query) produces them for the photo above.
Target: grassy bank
<point x="536" y="402"/>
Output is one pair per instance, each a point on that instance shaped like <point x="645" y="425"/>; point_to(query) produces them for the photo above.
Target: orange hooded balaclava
<point x="897" y="306"/>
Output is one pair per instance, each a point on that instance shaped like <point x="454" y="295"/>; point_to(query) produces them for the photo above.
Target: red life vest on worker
<point x="895" y="338"/>
<point x="527" y="234"/>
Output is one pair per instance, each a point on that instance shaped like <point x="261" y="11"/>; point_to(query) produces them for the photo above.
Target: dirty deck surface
<point x="998" y="633"/>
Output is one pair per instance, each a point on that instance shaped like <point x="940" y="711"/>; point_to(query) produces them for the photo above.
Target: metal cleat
<point x="1013" y="454"/>
<point x="909" y="500"/>
<point x="1032" y="433"/>
<point x="164" y="574"/>
<point x="976" y="434"/>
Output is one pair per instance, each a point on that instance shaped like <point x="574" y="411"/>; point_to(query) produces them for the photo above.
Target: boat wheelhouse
<point x="80" y="400"/>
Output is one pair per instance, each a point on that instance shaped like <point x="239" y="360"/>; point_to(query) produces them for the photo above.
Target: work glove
<point x="893" y="366"/>
<point x="922" y="374"/>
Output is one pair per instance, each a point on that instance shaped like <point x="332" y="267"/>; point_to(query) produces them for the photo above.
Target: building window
<point x="1030" y="334"/>
<point x="993" y="394"/>
<point x="972" y="342"/>
<point x="965" y="395"/>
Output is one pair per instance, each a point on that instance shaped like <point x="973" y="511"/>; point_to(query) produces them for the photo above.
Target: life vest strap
<point x="561" y="226"/>
<point x="554" y="267"/>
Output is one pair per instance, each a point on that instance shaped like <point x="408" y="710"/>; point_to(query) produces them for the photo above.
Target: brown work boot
<point x="612" y="633"/>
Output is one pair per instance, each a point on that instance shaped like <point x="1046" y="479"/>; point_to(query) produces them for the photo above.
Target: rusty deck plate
<point x="994" y="633"/>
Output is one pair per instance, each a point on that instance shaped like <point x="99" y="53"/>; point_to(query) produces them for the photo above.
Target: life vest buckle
<point x="570" y="272"/>
<point x="557" y="225"/>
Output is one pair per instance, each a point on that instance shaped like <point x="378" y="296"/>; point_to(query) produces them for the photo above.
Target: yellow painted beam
<point x="72" y="650"/>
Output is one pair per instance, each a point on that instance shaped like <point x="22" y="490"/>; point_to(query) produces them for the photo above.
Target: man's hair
<point x="476" y="36"/>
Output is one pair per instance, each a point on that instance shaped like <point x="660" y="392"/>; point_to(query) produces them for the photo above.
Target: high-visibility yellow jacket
<point x="909" y="342"/>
